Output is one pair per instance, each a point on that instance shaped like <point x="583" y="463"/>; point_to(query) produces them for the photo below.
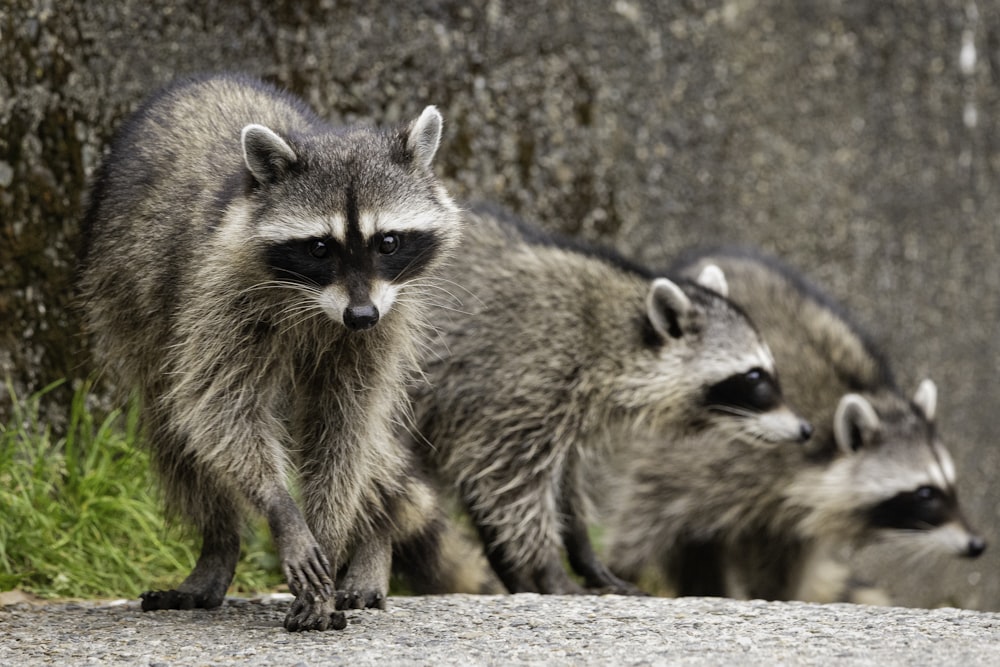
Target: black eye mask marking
<point x="754" y="390"/>
<point x="404" y="255"/>
<point x="309" y="261"/>
<point x="391" y="256"/>
<point x="921" y="509"/>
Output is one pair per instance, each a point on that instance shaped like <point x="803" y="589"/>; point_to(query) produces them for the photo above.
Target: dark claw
<point x="309" y="613"/>
<point x="360" y="599"/>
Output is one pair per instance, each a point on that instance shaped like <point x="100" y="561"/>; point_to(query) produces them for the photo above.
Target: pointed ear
<point x="424" y="137"/>
<point x="854" y="423"/>
<point x="714" y="279"/>
<point x="926" y="399"/>
<point x="267" y="156"/>
<point x="666" y="304"/>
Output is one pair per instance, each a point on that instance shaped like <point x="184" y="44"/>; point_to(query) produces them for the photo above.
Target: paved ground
<point x="520" y="629"/>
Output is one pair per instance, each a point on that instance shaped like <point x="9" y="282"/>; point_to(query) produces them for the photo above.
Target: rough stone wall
<point x="858" y="139"/>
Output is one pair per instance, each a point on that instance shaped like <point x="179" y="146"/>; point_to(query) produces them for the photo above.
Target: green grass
<point x="79" y="515"/>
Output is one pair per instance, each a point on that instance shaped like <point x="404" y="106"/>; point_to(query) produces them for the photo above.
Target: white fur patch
<point x="399" y="220"/>
<point x="333" y="299"/>
<point x="383" y="295"/>
<point x="289" y="227"/>
<point x="950" y="538"/>
<point x="947" y="464"/>
<point x="781" y="425"/>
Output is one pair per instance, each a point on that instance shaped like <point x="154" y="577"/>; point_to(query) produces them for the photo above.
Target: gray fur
<point x="548" y="356"/>
<point x="245" y="378"/>
<point x="718" y="516"/>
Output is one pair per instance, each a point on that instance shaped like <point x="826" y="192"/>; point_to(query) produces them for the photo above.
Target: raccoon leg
<point x="345" y="506"/>
<point x="366" y="583"/>
<point x="544" y="574"/>
<point x="309" y="610"/>
<point x="513" y="578"/>
<point x="206" y="586"/>
<point x="193" y="494"/>
<point x="696" y="568"/>
<point x="315" y="605"/>
<point x="576" y="541"/>
<point x="585" y="563"/>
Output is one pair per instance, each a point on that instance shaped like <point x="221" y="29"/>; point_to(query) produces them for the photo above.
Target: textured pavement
<point x="505" y="630"/>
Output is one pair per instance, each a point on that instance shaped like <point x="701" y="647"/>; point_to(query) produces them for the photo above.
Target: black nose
<point x="977" y="545"/>
<point x="805" y="431"/>
<point x="359" y="318"/>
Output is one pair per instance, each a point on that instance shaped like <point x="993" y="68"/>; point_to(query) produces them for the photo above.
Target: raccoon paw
<point x="307" y="570"/>
<point x="174" y="599"/>
<point x="367" y="599"/>
<point x="309" y="613"/>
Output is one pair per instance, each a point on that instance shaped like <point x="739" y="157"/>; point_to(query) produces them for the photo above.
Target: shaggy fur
<point x="261" y="277"/>
<point x="550" y="355"/>
<point x="718" y="516"/>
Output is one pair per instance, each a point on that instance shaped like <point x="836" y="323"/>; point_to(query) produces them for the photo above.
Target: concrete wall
<point x="857" y="139"/>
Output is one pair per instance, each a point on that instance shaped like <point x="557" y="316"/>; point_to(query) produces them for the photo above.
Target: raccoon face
<point x="903" y="476"/>
<point x="740" y="395"/>
<point x="747" y="403"/>
<point x="350" y="231"/>
<point x="356" y="279"/>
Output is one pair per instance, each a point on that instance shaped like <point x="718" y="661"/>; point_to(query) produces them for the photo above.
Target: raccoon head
<point x="902" y="479"/>
<point x="738" y="393"/>
<point x="349" y="218"/>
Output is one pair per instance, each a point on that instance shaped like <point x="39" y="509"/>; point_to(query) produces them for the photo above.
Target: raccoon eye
<point x="318" y="248"/>
<point x="389" y="244"/>
<point x="927" y="493"/>
<point x="753" y="390"/>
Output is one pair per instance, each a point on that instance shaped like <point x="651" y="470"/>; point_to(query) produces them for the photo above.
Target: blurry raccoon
<point x="260" y="277"/>
<point x="719" y="516"/>
<point x="550" y="353"/>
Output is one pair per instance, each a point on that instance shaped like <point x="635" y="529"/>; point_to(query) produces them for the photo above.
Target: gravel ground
<point x="518" y="629"/>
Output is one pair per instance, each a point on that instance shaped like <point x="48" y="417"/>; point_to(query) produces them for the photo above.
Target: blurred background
<point x="859" y="140"/>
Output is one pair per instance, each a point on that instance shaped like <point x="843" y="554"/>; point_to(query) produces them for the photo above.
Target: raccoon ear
<point x="714" y="279"/>
<point x="268" y="156"/>
<point x="666" y="304"/>
<point x="926" y="399"/>
<point x="854" y="422"/>
<point x="424" y="137"/>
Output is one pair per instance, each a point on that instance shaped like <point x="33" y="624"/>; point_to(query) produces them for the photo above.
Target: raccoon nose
<point x="359" y="318"/>
<point x="805" y="431"/>
<point x="977" y="545"/>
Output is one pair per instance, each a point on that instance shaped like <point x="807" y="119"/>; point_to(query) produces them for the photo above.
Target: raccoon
<point x="550" y="353"/>
<point x="718" y="516"/>
<point x="260" y="277"/>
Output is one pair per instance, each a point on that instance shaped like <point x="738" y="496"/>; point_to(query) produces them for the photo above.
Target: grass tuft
<point x="79" y="516"/>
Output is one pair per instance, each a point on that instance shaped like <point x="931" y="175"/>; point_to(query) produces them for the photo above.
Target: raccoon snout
<point x="359" y="318"/>
<point x="805" y="431"/>
<point x="975" y="547"/>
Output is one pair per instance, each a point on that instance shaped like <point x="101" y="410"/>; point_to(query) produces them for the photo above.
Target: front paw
<point x="307" y="570"/>
<point x="172" y="599"/>
<point x="311" y="613"/>
<point x="365" y="599"/>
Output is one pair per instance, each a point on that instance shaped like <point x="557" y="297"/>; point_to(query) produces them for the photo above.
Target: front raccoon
<point x="255" y="273"/>
<point x="720" y="517"/>
<point x="551" y="353"/>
